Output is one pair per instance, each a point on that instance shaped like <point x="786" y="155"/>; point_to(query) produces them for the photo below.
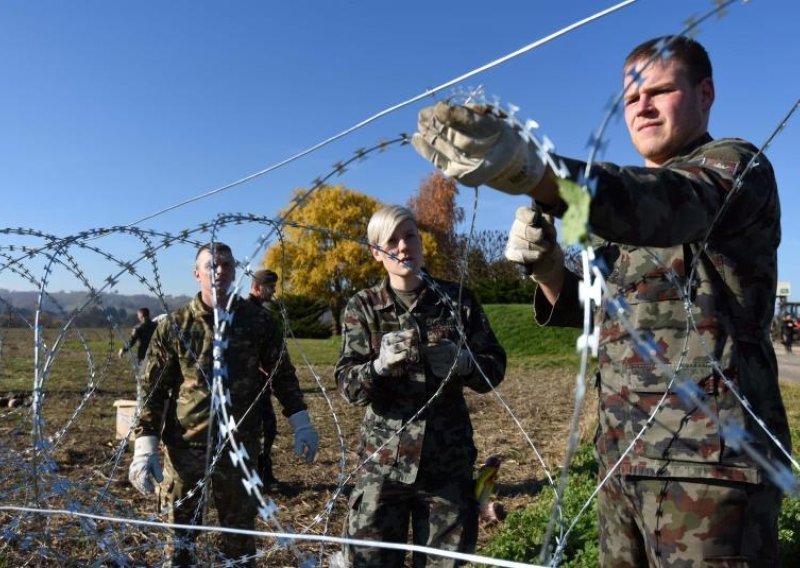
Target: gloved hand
<point x="477" y="147"/>
<point x="532" y="242"/>
<point x="306" y="438"/>
<point x="396" y="347"/>
<point x="121" y="352"/>
<point x="144" y="466"/>
<point x="444" y="355"/>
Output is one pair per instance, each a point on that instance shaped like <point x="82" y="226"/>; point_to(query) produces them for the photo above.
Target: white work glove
<point x="477" y="147"/>
<point x="444" y="355"/>
<point x="306" y="438"/>
<point x="121" y="352"/>
<point x="532" y="242"/>
<point x="396" y="347"/>
<point x="144" y="466"/>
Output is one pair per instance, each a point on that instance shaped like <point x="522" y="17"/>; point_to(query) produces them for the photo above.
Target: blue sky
<point x="112" y="111"/>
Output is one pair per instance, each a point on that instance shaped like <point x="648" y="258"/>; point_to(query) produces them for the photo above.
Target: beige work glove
<point x="396" y="348"/>
<point x="145" y="469"/>
<point x="477" y="147"/>
<point x="532" y="242"/>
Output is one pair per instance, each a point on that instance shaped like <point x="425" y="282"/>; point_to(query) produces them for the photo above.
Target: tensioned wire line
<point x="473" y="558"/>
<point x="389" y="110"/>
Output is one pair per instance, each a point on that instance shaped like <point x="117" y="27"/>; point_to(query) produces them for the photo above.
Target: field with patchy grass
<point x="87" y="471"/>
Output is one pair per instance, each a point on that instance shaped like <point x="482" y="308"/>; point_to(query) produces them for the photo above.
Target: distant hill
<point x="122" y="307"/>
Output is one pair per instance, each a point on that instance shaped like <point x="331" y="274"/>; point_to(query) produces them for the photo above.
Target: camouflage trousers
<point x="687" y="522"/>
<point x="443" y="516"/>
<point x="183" y="468"/>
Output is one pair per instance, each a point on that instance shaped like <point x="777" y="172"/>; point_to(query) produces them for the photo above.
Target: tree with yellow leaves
<point x="322" y="253"/>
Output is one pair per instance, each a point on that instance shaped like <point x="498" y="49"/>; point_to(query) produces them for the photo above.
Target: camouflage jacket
<point x="179" y="372"/>
<point x="272" y="308"/>
<point x="439" y="440"/>
<point x="653" y="221"/>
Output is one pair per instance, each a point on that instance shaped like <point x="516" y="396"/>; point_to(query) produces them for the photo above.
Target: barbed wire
<point x="41" y="469"/>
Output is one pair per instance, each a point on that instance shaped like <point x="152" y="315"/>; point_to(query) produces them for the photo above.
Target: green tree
<point x="324" y="255"/>
<point x="493" y="278"/>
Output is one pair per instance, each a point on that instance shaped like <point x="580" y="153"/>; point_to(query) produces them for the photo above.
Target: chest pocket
<point x="639" y="276"/>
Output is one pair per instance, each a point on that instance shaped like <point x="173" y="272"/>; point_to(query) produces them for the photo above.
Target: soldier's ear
<point x="376" y="254"/>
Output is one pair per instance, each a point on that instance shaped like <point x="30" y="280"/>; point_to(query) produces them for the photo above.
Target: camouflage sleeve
<point x="160" y="381"/>
<point x="677" y="203"/>
<point x="353" y="372"/>
<point x="489" y="354"/>
<point x="275" y="359"/>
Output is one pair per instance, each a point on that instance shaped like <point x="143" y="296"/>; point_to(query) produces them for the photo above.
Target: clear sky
<point x="113" y="111"/>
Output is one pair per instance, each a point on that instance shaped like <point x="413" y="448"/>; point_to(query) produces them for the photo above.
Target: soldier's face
<point x="403" y="254"/>
<point x="666" y="111"/>
<point x="223" y="272"/>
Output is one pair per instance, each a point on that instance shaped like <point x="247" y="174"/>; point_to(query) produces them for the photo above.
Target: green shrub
<point x="307" y="317"/>
<point x="789" y="531"/>
<point x="522" y="535"/>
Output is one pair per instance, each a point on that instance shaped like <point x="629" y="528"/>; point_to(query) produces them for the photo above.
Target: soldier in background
<point x="262" y="288"/>
<point x="787" y="332"/>
<point x="400" y="343"/>
<point x="141" y="334"/>
<point x="682" y="491"/>
<point x="177" y="380"/>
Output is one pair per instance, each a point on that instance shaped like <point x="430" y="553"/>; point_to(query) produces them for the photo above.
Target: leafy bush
<point x="522" y="535"/>
<point x="789" y="531"/>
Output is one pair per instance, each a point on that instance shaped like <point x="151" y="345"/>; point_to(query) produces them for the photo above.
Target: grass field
<point x="90" y="466"/>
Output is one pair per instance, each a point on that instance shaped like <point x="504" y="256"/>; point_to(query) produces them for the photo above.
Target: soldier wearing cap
<point x="262" y="289"/>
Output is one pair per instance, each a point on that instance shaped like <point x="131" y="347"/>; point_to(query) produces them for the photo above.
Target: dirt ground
<point x="541" y="401"/>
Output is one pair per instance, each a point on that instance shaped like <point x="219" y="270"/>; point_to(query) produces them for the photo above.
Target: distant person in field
<point x="176" y="381"/>
<point x="141" y="334"/>
<point x="262" y="289"/>
<point x="788" y="328"/>
<point x="403" y="339"/>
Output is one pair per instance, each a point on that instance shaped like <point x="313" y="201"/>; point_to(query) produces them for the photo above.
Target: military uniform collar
<point x="199" y="309"/>
<point x="386" y="297"/>
<point x="691" y="147"/>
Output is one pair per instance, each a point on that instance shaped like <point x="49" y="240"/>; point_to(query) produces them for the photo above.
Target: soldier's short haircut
<point x="215" y="247"/>
<point x="145" y="312"/>
<point x="385" y="220"/>
<point x="686" y="50"/>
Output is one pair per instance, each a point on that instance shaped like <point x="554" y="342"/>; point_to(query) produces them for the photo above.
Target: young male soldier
<point x="141" y="334"/>
<point x="262" y="288"/>
<point x="177" y="380"/>
<point x="401" y="341"/>
<point x="684" y="493"/>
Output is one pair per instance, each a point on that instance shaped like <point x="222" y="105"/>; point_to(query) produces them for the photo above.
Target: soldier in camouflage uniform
<point x="262" y="288"/>
<point x="177" y="381"/>
<point x="402" y="340"/>
<point x="682" y="492"/>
